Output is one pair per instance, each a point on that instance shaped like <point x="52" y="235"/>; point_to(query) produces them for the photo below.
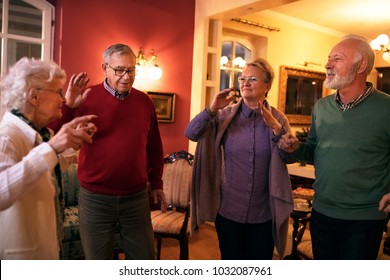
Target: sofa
<point x="71" y="244"/>
<point x="71" y="247"/>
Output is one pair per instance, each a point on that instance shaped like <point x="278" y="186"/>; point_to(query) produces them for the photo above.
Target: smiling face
<point x="342" y="65"/>
<point x="123" y="83"/>
<point x="253" y="92"/>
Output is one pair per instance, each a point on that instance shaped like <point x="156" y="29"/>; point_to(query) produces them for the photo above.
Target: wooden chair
<point x="301" y="243"/>
<point x="302" y="247"/>
<point x="177" y="179"/>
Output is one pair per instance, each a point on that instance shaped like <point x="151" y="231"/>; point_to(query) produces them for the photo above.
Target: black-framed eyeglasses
<point x="59" y="91"/>
<point x="251" y="80"/>
<point x="121" y="72"/>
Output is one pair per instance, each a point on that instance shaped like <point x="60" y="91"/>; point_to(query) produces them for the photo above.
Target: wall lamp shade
<point x="147" y="65"/>
<point x="381" y="44"/>
<point x="155" y="72"/>
<point x="237" y="62"/>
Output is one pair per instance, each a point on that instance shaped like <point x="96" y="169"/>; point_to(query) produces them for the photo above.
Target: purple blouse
<point x="247" y="154"/>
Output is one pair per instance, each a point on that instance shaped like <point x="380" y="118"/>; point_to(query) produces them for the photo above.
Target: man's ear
<point x="362" y="66"/>
<point x="104" y="66"/>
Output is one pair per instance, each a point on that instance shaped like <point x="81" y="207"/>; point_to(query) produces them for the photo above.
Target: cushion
<point x="169" y="222"/>
<point x="71" y="223"/>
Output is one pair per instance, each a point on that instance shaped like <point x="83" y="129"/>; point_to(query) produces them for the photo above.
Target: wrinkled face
<point x="120" y="72"/>
<point x="48" y="101"/>
<point x="341" y="67"/>
<point x="254" y="89"/>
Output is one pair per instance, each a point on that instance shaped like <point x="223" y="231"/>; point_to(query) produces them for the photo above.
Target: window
<point x="233" y="58"/>
<point x="26" y="30"/>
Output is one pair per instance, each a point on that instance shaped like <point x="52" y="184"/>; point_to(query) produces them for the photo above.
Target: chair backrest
<point x="177" y="180"/>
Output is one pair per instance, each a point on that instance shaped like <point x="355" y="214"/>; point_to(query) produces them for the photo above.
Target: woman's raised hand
<point x="221" y="100"/>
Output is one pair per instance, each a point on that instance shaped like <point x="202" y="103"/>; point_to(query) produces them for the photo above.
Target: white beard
<point x="339" y="82"/>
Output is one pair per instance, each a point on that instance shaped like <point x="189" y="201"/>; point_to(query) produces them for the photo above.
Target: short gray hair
<point x="364" y="50"/>
<point x="24" y="75"/>
<point x="265" y="67"/>
<point x="117" y="48"/>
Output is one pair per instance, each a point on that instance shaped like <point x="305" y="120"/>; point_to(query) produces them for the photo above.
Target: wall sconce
<point x="147" y="65"/>
<point x="381" y="44"/>
<point x="238" y="62"/>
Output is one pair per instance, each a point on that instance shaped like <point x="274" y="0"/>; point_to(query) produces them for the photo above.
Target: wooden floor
<point x="203" y="245"/>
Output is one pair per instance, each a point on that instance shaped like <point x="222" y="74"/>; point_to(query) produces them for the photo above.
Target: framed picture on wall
<point x="383" y="80"/>
<point x="164" y="103"/>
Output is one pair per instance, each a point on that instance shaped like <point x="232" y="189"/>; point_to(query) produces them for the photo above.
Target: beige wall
<point x="292" y="45"/>
<point x="295" y="43"/>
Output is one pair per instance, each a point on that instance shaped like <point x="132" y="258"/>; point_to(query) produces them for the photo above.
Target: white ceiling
<point x="368" y="18"/>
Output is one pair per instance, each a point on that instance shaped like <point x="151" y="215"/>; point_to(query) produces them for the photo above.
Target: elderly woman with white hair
<point x="32" y="94"/>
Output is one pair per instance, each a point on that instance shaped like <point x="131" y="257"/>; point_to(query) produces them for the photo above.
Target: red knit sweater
<point x="126" y="151"/>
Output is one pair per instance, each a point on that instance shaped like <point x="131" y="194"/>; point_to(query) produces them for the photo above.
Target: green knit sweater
<point x="351" y="153"/>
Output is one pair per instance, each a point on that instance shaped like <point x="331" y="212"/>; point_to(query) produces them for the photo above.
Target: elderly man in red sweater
<point x="125" y="155"/>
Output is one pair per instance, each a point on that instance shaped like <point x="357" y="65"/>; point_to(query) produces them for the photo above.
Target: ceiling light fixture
<point x="381" y="44"/>
<point x="148" y="65"/>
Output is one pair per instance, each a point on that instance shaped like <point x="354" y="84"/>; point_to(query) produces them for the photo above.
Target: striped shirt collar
<point x="114" y="93"/>
<point x="353" y="103"/>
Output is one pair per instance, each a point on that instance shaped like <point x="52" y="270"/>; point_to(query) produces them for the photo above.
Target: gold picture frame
<point x="299" y="89"/>
<point x="164" y="104"/>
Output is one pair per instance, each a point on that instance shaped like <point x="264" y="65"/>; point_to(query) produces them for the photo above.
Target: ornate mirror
<point x="299" y="89"/>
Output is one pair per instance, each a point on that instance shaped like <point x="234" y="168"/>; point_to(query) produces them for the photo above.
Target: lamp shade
<point x="155" y="72"/>
<point x="375" y="45"/>
<point x="223" y="60"/>
<point x="382" y="39"/>
<point x="386" y="56"/>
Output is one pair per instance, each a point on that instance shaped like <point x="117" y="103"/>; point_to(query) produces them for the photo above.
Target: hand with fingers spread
<point x="74" y="134"/>
<point x="270" y="120"/>
<point x="77" y="92"/>
<point x="221" y="100"/>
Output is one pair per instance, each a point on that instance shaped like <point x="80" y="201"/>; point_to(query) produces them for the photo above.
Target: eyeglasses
<point x="52" y="90"/>
<point x="251" y="80"/>
<point x="121" y="72"/>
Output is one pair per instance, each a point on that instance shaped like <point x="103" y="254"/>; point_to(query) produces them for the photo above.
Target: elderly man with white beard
<point x="349" y="143"/>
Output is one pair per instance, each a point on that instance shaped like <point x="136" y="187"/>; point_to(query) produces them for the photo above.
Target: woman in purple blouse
<point x="240" y="178"/>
